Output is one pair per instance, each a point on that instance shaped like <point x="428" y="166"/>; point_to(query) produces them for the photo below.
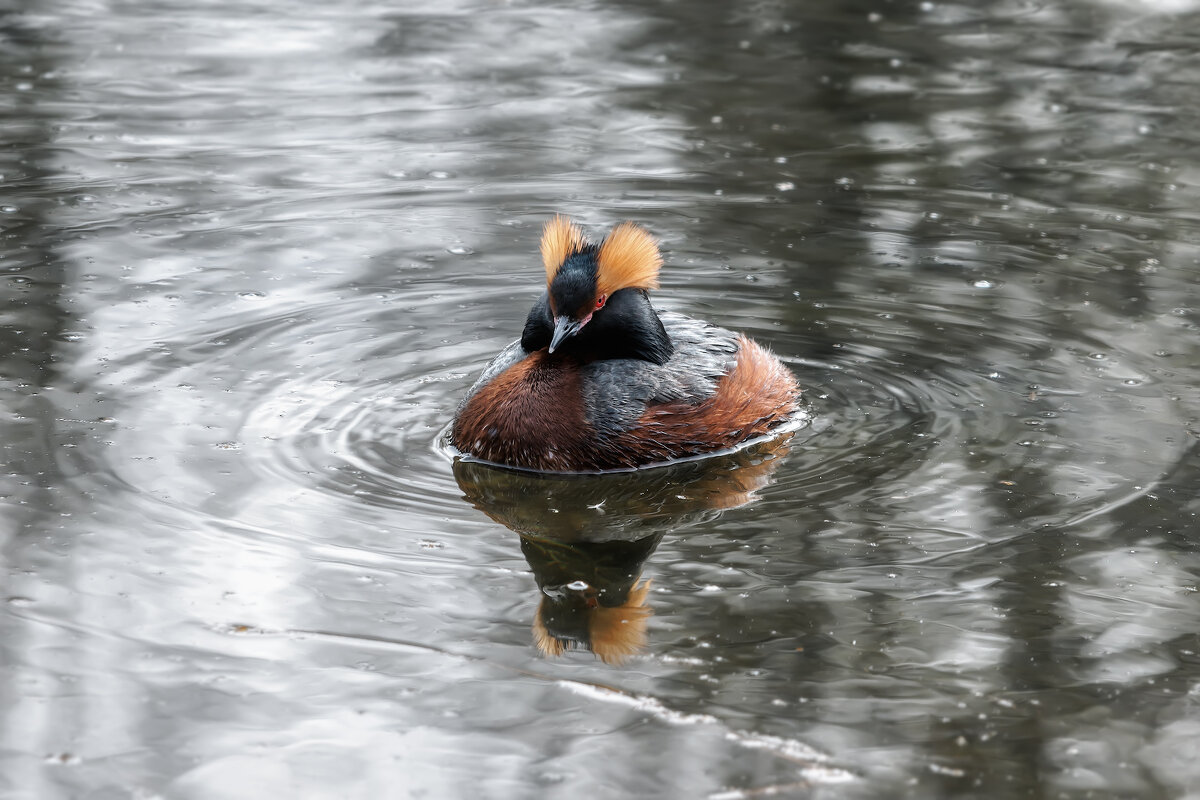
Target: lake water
<point x="253" y="254"/>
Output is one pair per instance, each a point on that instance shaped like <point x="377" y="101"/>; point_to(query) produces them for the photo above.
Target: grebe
<point x="599" y="380"/>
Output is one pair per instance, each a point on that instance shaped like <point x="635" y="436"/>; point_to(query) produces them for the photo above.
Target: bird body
<point x="601" y="380"/>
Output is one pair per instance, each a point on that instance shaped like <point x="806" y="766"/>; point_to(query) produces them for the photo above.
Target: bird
<point x="600" y="380"/>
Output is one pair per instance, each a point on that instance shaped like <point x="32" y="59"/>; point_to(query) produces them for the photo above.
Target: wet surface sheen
<point x="254" y="254"/>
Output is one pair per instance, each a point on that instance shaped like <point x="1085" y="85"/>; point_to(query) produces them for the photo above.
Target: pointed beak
<point x="564" y="328"/>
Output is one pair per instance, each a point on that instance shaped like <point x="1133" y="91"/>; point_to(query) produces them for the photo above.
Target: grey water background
<point x="253" y="253"/>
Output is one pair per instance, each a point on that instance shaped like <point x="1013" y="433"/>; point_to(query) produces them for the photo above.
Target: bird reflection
<point x="590" y="595"/>
<point x="587" y="537"/>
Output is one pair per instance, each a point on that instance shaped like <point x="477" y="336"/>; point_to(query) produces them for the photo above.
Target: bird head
<point x="581" y="277"/>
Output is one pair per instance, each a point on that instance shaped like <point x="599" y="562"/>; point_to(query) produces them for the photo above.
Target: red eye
<point x="600" y="301"/>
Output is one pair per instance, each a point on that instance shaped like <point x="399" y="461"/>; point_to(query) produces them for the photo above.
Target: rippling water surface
<point x="254" y="253"/>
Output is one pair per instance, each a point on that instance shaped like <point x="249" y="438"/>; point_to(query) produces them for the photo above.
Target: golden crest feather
<point x="561" y="239"/>
<point x="628" y="258"/>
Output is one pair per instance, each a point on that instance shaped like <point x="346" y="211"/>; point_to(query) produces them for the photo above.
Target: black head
<point x="573" y="292"/>
<point x="625" y="326"/>
<point x="596" y="305"/>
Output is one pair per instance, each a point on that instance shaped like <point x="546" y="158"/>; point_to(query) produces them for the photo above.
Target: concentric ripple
<point x="1015" y="415"/>
<point x="345" y="397"/>
<point x="341" y="397"/>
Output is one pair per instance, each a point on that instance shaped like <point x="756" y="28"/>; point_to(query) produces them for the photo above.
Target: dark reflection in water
<point x="253" y="255"/>
<point x="586" y="537"/>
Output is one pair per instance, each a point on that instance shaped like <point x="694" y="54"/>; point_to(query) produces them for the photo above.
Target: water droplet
<point x="985" y="283"/>
<point x="70" y="759"/>
<point x="1097" y="356"/>
<point x="1131" y="382"/>
<point x="251" y="295"/>
<point x="932" y="216"/>
<point x="717" y="120"/>
<point x="20" y="602"/>
<point x="9" y="209"/>
<point x="72" y="337"/>
<point x="874" y="16"/>
<point x="785" y="186"/>
<point x="1145" y="129"/>
<point x="781" y="159"/>
<point x="440" y="175"/>
<point x="460" y="250"/>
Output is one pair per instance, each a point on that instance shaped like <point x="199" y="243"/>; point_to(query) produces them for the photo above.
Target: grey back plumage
<point x="617" y="391"/>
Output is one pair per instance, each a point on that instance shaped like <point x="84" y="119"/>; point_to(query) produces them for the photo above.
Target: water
<point x="254" y="254"/>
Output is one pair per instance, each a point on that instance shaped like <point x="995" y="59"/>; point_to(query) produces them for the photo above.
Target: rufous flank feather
<point x="561" y="239"/>
<point x="628" y="258"/>
<point x="750" y="400"/>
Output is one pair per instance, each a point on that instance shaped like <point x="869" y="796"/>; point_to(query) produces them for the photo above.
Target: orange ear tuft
<point x="561" y="239"/>
<point x="628" y="258"/>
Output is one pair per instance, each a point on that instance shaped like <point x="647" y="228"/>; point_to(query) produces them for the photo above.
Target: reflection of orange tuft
<point x="561" y="239"/>
<point x="628" y="258"/>
<point x="618" y="633"/>
<point x="614" y="634"/>
<point x="546" y="642"/>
